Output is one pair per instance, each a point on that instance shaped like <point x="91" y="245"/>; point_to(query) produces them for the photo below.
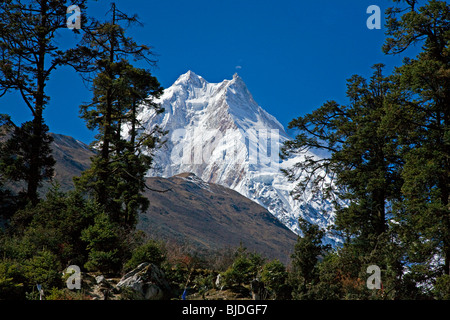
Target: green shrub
<point x="11" y="280"/>
<point x="274" y="277"/>
<point x="103" y="261"/>
<point x="103" y="244"/>
<point x="204" y="282"/>
<point x="65" y="294"/>
<point x="44" y="269"/>
<point x="239" y="272"/>
<point x="151" y="251"/>
<point x="246" y="267"/>
<point x="55" y="223"/>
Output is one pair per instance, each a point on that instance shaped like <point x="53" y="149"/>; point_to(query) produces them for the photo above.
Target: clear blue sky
<point x="293" y="54"/>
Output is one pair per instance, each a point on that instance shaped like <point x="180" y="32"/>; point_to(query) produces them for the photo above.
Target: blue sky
<point x="294" y="55"/>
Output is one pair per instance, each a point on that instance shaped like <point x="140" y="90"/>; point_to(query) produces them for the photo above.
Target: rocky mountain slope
<point x="72" y="158"/>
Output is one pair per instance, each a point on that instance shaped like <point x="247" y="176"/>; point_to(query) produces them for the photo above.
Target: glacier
<point x="218" y="132"/>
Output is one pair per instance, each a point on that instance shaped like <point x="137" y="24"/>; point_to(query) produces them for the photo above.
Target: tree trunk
<point x="34" y="177"/>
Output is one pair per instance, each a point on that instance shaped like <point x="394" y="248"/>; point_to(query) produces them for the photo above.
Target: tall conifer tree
<point x="420" y="115"/>
<point x="361" y="161"/>
<point x="116" y="178"/>
<point x="28" y="56"/>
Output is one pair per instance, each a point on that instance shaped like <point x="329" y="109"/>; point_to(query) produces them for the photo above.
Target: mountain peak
<point x="193" y="99"/>
<point x="238" y="82"/>
<point x="190" y="78"/>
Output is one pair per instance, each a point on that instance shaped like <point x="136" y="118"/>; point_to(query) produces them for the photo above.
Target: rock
<point x="99" y="279"/>
<point x="102" y="289"/>
<point x="147" y="281"/>
<point x="219" y="282"/>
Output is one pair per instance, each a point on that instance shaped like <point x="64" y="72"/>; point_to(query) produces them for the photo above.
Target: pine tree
<point x="18" y="154"/>
<point x="117" y="175"/>
<point x="362" y="162"/>
<point x="420" y="114"/>
<point x="366" y="169"/>
<point x="28" y="55"/>
<point x="307" y="252"/>
<point x="134" y="154"/>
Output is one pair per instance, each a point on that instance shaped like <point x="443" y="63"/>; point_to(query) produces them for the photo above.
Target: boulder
<point x="102" y="289"/>
<point x="99" y="279"/>
<point x="147" y="281"/>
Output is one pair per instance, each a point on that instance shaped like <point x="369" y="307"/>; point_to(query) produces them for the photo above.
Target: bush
<point x="238" y="273"/>
<point x="65" y="294"/>
<point x="151" y="251"/>
<point x="204" y="282"/>
<point x="44" y="268"/>
<point x="274" y="277"/>
<point x="103" y="244"/>
<point x="245" y="268"/>
<point x="11" y="280"/>
<point x="55" y="224"/>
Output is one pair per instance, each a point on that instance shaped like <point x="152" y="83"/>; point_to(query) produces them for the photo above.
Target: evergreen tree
<point x="28" y="56"/>
<point x="105" y="245"/>
<point x="274" y="276"/>
<point x="17" y="156"/>
<point x="362" y="163"/>
<point x="365" y="167"/>
<point x="134" y="154"/>
<point x="116" y="177"/>
<point x="419" y="112"/>
<point x="307" y="252"/>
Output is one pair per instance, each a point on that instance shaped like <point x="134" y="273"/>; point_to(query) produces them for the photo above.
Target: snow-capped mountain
<point x="219" y="132"/>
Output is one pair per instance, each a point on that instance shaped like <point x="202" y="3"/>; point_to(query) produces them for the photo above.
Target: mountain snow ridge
<point x="218" y="132"/>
